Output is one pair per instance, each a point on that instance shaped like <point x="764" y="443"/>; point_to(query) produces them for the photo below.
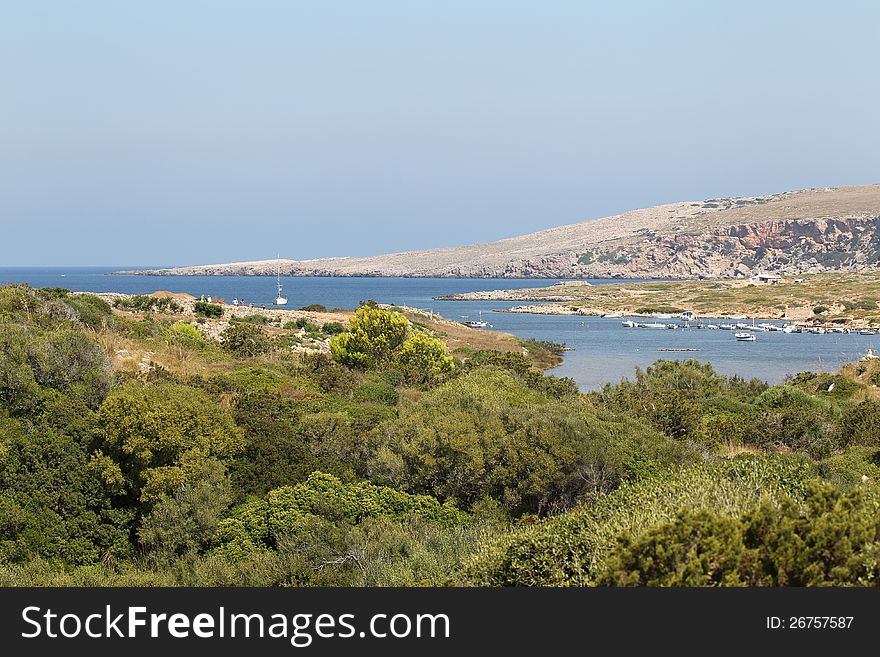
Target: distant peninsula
<point x="802" y="232"/>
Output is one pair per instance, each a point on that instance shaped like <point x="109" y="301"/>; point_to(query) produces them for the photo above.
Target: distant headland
<point x="802" y="232"/>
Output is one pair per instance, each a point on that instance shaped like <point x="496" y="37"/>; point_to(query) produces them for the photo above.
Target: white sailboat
<point x="280" y="299"/>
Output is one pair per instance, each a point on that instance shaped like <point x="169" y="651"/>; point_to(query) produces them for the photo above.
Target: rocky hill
<point x="807" y="231"/>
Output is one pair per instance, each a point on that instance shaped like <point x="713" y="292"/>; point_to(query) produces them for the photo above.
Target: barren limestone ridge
<point x="808" y="231"/>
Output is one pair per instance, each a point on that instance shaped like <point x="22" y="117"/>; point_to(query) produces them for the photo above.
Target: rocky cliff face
<point x="809" y="231"/>
<point x="790" y="246"/>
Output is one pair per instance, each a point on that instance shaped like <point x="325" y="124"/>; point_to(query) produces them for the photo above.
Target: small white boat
<point x="628" y="323"/>
<point x="791" y="328"/>
<point x="688" y="316"/>
<point x="652" y="325"/>
<point x="817" y="330"/>
<point x="726" y="327"/>
<point x="611" y="316"/>
<point x="867" y="332"/>
<point x="745" y="336"/>
<point x="477" y="323"/>
<point x="713" y="327"/>
<point x="280" y="299"/>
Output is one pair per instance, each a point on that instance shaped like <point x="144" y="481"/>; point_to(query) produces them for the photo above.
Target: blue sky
<point x="139" y="133"/>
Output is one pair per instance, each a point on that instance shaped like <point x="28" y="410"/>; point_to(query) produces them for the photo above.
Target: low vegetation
<point x="139" y="446"/>
<point x="838" y="297"/>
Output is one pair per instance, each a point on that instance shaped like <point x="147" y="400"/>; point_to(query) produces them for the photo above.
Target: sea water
<point x="603" y="350"/>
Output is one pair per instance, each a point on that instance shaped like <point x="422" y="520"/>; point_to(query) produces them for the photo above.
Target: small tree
<point x="374" y="336"/>
<point x="157" y="437"/>
<point x="423" y="359"/>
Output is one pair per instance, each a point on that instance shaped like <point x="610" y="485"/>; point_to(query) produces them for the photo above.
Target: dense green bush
<point x="828" y="538"/>
<point x="52" y="503"/>
<point x="486" y="434"/>
<point x="205" y="309"/>
<point x="291" y="511"/>
<point x="155" y="437"/>
<point x="91" y="311"/>
<point x="854" y="467"/>
<point x="333" y="328"/>
<point x="245" y="340"/>
<point x="791" y="418"/>
<point x="187" y="334"/>
<point x="63" y="360"/>
<point x="825" y="383"/>
<point x="860" y="425"/>
<point x="374" y="337"/>
<point x="275" y="451"/>
<point x="571" y="549"/>
<point x="183" y="522"/>
<point x="423" y="359"/>
<point x="674" y="395"/>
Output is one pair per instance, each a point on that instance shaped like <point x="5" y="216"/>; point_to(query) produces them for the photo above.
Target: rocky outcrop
<point x="793" y="247"/>
<point x="809" y="231"/>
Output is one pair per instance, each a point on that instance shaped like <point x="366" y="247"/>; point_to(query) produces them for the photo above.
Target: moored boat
<point x="280" y="299"/>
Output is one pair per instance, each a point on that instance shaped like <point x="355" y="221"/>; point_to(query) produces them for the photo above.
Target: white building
<point x="765" y="279"/>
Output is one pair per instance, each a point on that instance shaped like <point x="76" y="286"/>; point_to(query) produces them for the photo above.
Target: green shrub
<point x="91" y="311"/>
<point x="860" y="425"/>
<point x="830" y="538"/>
<point x="156" y="436"/>
<point x="205" y="309"/>
<point x="571" y="549"/>
<point x="860" y="304"/>
<point x="145" y="303"/>
<point x="245" y="340"/>
<point x="377" y="392"/>
<point x="485" y="434"/>
<point x="423" y="359"/>
<point x="187" y="334"/>
<point x="333" y="328"/>
<point x="374" y="336"/>
<point x="790" y="418"/>
<point x="825" y="383"/>
<point x="184" y="522"/>
<point x="275" y="449"/>
<point x="673" y="395"/>
<point x="854" y="467"/>
<point x="53" y="505"/>
<point x="65" y="360"/>
<point x="291" y="511"/>
<point x="251" y="319"/>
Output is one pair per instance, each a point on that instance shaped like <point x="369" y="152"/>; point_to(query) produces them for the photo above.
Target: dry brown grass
<point x="455" y="335"/>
